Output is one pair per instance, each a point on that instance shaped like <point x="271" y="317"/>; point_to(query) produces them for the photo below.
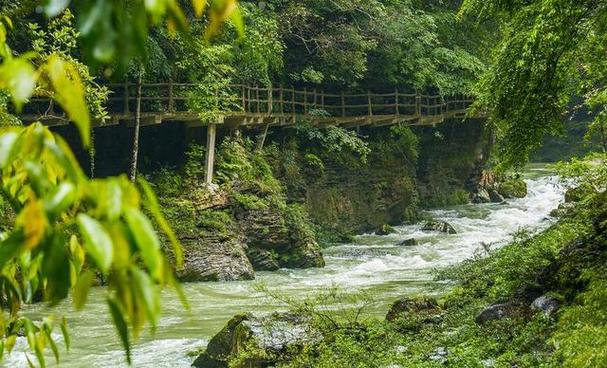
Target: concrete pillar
<point x="210" y="154"/>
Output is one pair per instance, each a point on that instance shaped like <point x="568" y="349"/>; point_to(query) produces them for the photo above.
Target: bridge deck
<point x="239" y="105"/>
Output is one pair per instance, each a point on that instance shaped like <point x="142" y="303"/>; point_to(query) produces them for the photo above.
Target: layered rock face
<point x="243" y="226"/>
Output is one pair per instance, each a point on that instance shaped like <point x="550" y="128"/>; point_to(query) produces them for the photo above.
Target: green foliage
<point x="60" y="38"/>
<point x="590" y="170"/>
<point x="334" y="139"/>
<point x="550" y="50"/>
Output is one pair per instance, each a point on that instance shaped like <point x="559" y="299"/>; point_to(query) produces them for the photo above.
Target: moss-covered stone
<point x="512" y="187"/>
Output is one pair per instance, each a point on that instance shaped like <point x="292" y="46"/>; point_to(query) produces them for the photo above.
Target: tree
<point x="67" y="229"/>
<point x="550" y="51"/>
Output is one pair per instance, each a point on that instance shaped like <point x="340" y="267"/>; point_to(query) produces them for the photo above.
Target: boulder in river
<point x="440" y="226"/>
<point x="264" y="340"/>
<point x="409" y="242"/>
<point x="495" y="196"/>
<point x="385" y="229"/>
<point x="481" y="196"/>
<point x="562" y="210"/>
<point x="404" y="306"/>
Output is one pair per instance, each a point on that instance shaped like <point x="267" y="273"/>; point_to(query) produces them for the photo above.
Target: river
<point x="372" y="264"/>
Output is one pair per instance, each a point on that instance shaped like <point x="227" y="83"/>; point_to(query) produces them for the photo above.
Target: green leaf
<point x="55" y="7"/>
<point x="65" y="333"/>
<point x="11" y="246"/>
<point x="81" y="289"/>
<point x="69" y="93"/>
<point x="147" y="241"/>
<point x="18" y="77"/>
<point x="97" y="242"/>
<point x="61" y="198"/>
<point x="148" y="293"/>
<point x="8" y="147"/>
<point x="199" y="7"/>
<point x="55" y="266"/>
<point x="154" y="208"/>
<point x="53" y="345"/>
<point x="121" y="326"/>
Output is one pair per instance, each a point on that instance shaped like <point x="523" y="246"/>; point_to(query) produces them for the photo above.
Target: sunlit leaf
<point x="18" y="77"/>
<point x="147" y="241"/>
<point x="123" y="332"/>
<point x="199" y="7"/>
<point x="147" y="292"/>
<point x="61" y="198"/>
<point x="8" y="147"/>
<point x="81" y="289"/>
<point x="69" y="93"/>
<point x="34" y="222"/>
<point x="53" y="345"/>
<point x="97" y="242"/>
<point x="154" y="208"/>
<point x="65" y="333"/>
<point x="11" y="246"/>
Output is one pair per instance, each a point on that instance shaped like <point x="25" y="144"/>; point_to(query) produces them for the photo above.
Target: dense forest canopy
<point x="528" y="63"/>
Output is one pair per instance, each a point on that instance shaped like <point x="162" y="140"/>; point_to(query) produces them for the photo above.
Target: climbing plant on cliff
<point x="550" y="52"/>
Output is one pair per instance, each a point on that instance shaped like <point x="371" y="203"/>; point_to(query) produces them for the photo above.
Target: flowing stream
<point x="375" y="265"/>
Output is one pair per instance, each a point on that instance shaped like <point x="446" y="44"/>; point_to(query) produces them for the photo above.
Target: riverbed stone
<point x="440" y="226"/>
<point x="409" y="242"/>
<point x="481" y="196"/>
<point x="385" y="229"/>
<point x="546" y="304"/>
<point x="496" y="312"/>
<point x="404" y="306"/>
<point x="265" y="340"/>
<point x="495" y="197"/>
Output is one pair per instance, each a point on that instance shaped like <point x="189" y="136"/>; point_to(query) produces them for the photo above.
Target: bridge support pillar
<point x="210" y="154"/>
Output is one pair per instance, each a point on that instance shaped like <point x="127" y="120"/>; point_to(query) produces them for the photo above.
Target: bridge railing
<point x="168" y="98"/>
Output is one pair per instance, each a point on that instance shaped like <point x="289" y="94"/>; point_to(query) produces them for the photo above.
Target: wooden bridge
<point x="236" y="106"/>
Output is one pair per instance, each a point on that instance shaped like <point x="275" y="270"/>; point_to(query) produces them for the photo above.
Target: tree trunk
<point x="135" y="153"/>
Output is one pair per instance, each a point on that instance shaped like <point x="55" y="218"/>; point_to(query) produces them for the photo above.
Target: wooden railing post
<point x="270" y="100"/>
<point x="281" y="97"/>
<point x="396" y="102"/>
<point x="370" y="109"/>
<point x="170" y="106"/>
<point x="126" y="97"/>
<point x="305" y="102"/>
<point x="343" y="104"/>
<point x="293" y="102"/>
<point x="257" y="99"/>
<point x="418" y="103"/>
<point x="249" y="100"/>
<point x="322" y="99"/>
<point x="244" y="99"/>
<point x="315" y="96"/>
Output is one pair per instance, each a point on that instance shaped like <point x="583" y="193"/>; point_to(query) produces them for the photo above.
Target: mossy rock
<point x="512" y="187"/>
<point x="385" y="229"/>
<point x="579" y="193"/>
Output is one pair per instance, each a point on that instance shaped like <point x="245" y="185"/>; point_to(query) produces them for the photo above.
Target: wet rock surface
<point x="267" y="338"/>
<point x="409" y="242"/>
<point x="439" y="226"/>
<point x="546" y="304"/>
<point x="496" y="312"/>
<point x="405" y="306"/>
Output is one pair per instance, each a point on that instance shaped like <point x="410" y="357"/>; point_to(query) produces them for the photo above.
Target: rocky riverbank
<point x="272" y="207"/>
<point x="537" y="301"/>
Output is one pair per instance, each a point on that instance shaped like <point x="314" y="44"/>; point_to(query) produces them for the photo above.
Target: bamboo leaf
<point x="147" y="241"/>
<point x="97" y="242"/>
<point x="148" y="293"/>
<point x="154" y="208"/>
<point x="199" y="7"/>
<point x="121" y="327"/>
<point x="81" y="289"/>
<point x="66" y="334"/>
<point x="69" y="93"/>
